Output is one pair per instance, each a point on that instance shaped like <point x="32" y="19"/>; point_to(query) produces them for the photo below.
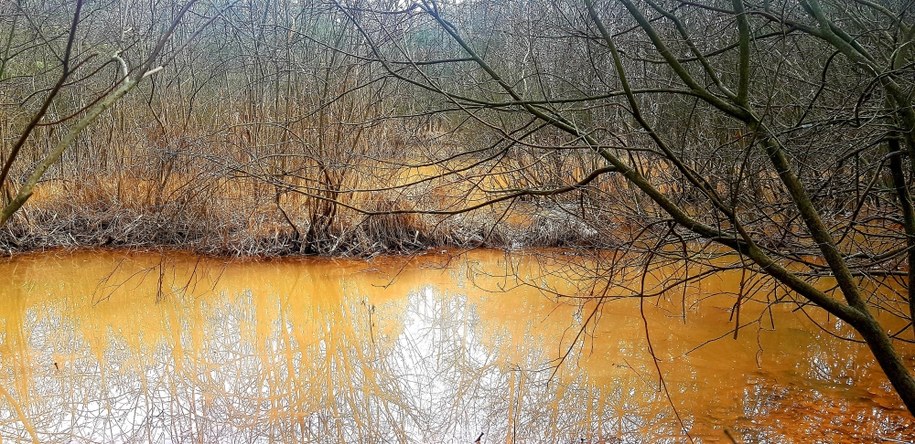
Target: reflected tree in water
<point x="336" y="352"/>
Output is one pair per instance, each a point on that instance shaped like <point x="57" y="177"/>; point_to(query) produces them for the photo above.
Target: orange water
<point x="131" y="347"/>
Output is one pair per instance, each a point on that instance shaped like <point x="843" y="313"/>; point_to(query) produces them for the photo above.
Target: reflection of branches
<point x="296" y="377"/>
<point x="654" y="356"/>
<point x="322" y="353"/>
<point x="20" y="415"/>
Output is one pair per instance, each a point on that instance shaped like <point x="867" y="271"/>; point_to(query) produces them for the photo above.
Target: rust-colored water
<point x="129" y="347"/>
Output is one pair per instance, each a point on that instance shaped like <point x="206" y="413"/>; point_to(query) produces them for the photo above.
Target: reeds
<point x="234" y="216"/>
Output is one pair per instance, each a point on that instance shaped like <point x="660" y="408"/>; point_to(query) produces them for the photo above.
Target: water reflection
<point x="103" y="347"/>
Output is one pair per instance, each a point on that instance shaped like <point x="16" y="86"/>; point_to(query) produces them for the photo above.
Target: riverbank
<point x="215" y="217"/>
<point x="44" y="229"/>
<point x="146" y="234"/>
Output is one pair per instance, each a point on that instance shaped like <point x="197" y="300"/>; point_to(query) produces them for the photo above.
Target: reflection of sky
<point x="434" y="366"/>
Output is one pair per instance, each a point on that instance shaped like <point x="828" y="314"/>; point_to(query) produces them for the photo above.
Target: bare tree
<point x="71" y="65"/>
<point x="782" y="132"/>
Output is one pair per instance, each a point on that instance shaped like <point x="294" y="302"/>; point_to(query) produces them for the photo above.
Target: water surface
<point x="148" y="347"/>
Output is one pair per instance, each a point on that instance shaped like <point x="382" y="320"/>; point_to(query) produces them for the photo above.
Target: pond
<point x="443" y="347"/>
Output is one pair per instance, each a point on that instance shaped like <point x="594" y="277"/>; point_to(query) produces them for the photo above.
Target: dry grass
<point x="215" y="214"/>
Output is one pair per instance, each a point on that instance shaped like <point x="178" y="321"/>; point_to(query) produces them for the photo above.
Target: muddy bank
<point x="225" y="229"/>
